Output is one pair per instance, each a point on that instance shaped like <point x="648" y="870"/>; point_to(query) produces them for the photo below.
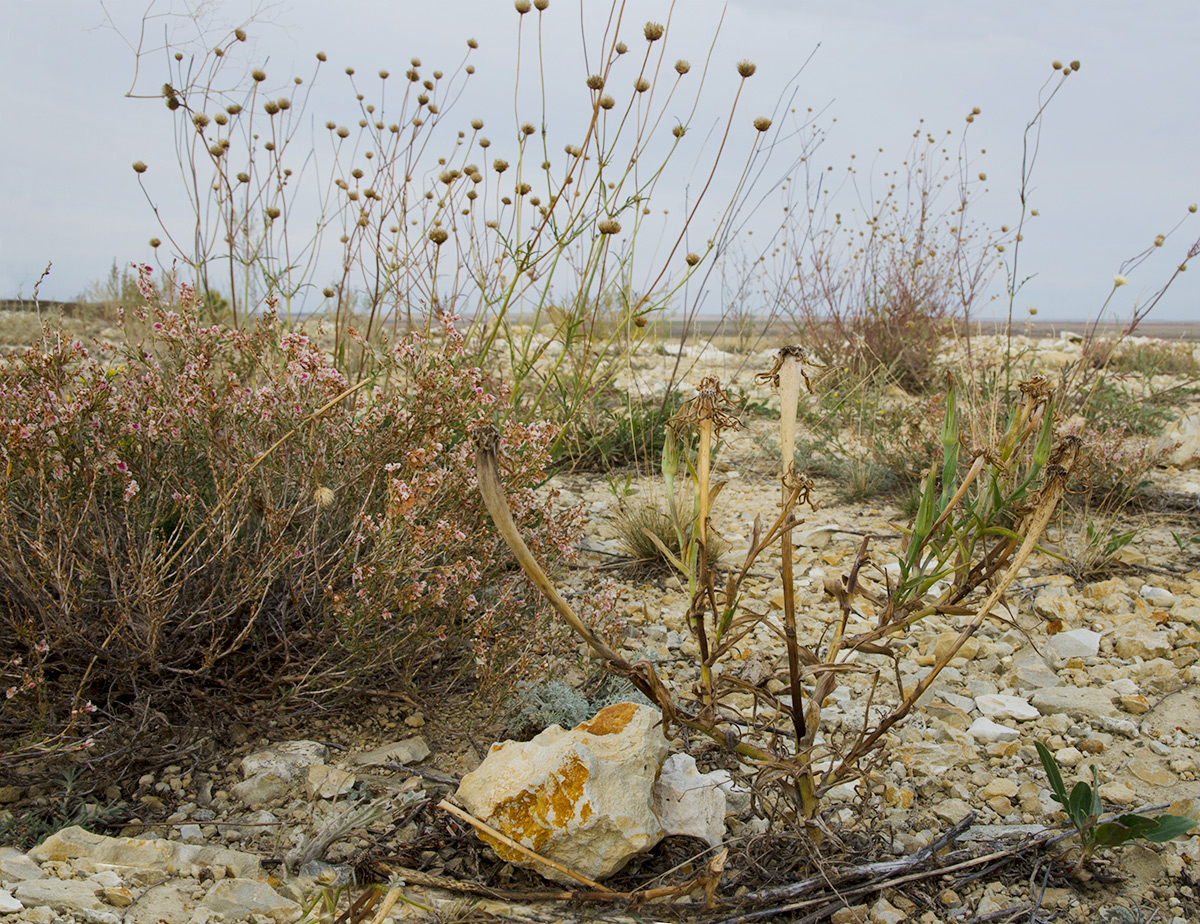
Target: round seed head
<point x="983" y="177"/>
<point x="439" y="236"/>
<point x="243" y="177"/>
<point x="499" y="165"/>
<point x="349" y="72"/>
<point x="1158" y="241"/>
<point x="573" y="150"/>
<point x="219" y="51"/>
<point x="258" y="74"/>
<point x="595" y="82"/>
<point x="217" y="149"/>
<point x="1192" y="208"/>
<point x="762" y="123"/>
<point x="485" y="142"/>
<point x="678" y="131"/>
<point x="356" y="173"/>
<point x="976" y="110"/>
<point x="322" y="497"/>
<point x="653" y="31"/>
<point x="200" y="120"/>
<point x="541" y="5"/>
<point x="155" y="242"/>
<point x="272" y="213"/>
<point x="682" y="67"/>
<point x="608" y="226"/>
<point x="179" y="56"/>
<point x="1057" y="65"/>
<point x="234" y="108"/>
<point x="1119" y="280"/>
<point x="343" y="132"/>
<point x="239" y="34"/>
<point x="321" y="57"/>
<point x="437" y="75"/>
<point x="383" y="75"/>
<point x="692" y="259"/>
<point x="620" y="48"/>
<point x="139" y="167"/>
<point x="477" y="124"/>
<point x="522" y="6"/>
<point x="523" y="189"/>
<point x="271" y="107"/>
<point x="607" y="102"/>
<point x="470" y="68"/>
<point x="527" y="128"/>
<point x="746" y="68"/>
<point x="641" y="85"/>
<point x="472" y="44"/>
<point x="220" y="118"/>
<point x="1075" y="65"/>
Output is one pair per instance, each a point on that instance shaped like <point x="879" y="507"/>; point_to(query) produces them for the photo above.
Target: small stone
<point x="261" y="789"/>
<point x="1135" y="704"/>
<point x="855" y="914"/>
<point x="237" y="899"/>
<point x="947" y="640"/>
<point x="1056" y="606"/>
<point x="1159" y="596"/>
<point x="1117" y="793"/>
<point x="66" y="896"/>
<point x="998" y="787"/>
<point x="118" y="896"/>
<point x="1076" y="643"/>
<point x="1144" y="645"/>
<point x="288" y="760"/>
<point x="689" y="802"/>
<point x="952" y="810"/>
<point x="1149" y="771"/>
<point x="191" y="834"/>
<point x="8" y="904"/>
<point x="884" y="912"/>
<point x="416" y="720"/>
<point x="11" y="794"/>
<point x="1080" y="703"/>
<point x="325" y="782"/>
<point x="16" y="867"/>
<point x="409" y="751"/>
<point x="999" y="706"/>
<point x="1068" y="756"/>
<point x="986" y="731"/>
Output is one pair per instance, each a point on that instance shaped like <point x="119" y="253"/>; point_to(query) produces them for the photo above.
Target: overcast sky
<point x="1119" y="161"/>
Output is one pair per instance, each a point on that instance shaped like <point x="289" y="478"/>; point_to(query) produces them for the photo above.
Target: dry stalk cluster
<point x="982" y="512"/>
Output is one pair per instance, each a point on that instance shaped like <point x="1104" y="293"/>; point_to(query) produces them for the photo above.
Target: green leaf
<point x="1050" y="765"/>
<point x="1079" y="805"/>
<point x="1168" y="827"/>
<point x="1115" y="833"/>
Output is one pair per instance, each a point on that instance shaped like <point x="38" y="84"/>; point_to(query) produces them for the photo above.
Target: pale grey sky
<point x="1118" y="161"/>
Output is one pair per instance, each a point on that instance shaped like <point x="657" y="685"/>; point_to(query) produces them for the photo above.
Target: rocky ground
<point x="272" y="823"/>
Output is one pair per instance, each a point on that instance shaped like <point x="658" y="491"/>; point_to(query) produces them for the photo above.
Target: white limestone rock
<point x="999" y="706"/>
<point x="1077" y="643"/>
<point x="236" y="899"/>
<point x="582" y="798"/>
<point x="687" y="801"/>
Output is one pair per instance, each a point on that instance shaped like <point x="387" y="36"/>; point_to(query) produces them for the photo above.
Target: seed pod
<point x="762" y="123"/>
<point x="746" y="68"/>
<point x="653" y="31"/>
<point x="608" y="226"/>
<point x="682" y="67"/>
<point x="438" y="236"/>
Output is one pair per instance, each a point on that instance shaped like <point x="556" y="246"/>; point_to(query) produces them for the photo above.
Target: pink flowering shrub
<point x="203" y="517"/>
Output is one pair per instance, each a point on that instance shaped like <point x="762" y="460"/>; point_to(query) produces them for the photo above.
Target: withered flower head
<point x="710" y="403"/>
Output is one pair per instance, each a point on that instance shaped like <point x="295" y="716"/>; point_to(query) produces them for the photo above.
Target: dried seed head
<point x="239" y="34"/>
<point x="322" y="497"/>
<point x="522" y="6"/>
<point x="499" y="165"/>
<point x="220" y="118"/>
<point x="383" y="75"/>
<point x="216" y="150"/>
<point x="595" y="82"/>
<point x="1119" y="280"/>
<point x="139" y="167"/>
<point x="1192" y="208"/>
<point x="233" y="109"/>
<point x="983" y="177"/>
<point x="155" y="242"/>
<point x="438" y="236"/>
<point x="200" y="120"/>
<point x="321" y="57"/>
<point x="258" y="74"/>
<point x="243" y="177"/>
<point x="271" y="107"/>
<point x="620" y="48"/>
<point x="343" y="132"/>
<point x="641" y="85"/>
<point x="472" y="44"/>
<point x="541" y="4"/>
<point x="682" y="67"/>
<point x="356" y="173"/>
<point x="219" y="51"/>
<point x="283" y="103"/>
<point x="272" y="213"/>
<point x="573" y="150"/>
<point x="523" y="189"/>
<point x="607" y="102"/>
<point x="485" y="142"/>
<point x="349" y="72"/>
<point x="762" y="123"/>
<point x="746" y="68"/>
<point x="692" y="259"/>
<point x="470" y="68"/>
<point x="608" y="226"/>
<point x="1057" y="65"/>
<point x="1159" y="240"/>
<point x="653" y="31"/>
<point x="1075" y="65"/>
<point x="527" y="128"/>
<point x="437" y="75"/>
<point x="678" y="131"/>
<point x="477" y="124"/>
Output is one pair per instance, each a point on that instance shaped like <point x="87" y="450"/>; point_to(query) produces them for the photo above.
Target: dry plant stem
<point x="509" y="842"/>
<point x="386" y="906"/>
<point x="703" y="464"/>
<point x="487" y="442"/>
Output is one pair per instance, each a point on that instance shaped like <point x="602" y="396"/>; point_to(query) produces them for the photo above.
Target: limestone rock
<point x="986" y="731"/>
<point x="63" y="895"/>
<point x="239" y="898"/>
<point x="170" y="857"/>
<point x="288" y="761"/>
<point x="689" y="802"/>
<point x="16" y="867"/>
<point x="170" y="901"/>
<point x="1142" y="644"/>
<point x="999" y="706"/>
<point x="1082" y="703"/>
<point x="952" y="810"/>
<point x="8" y="904"/>
<point x="324" y="782"/>
<point x="1182" y="441"/>
<point x="582" y="798"/>
<point x="409" y="751"/>
<point x="1077" y="643"/>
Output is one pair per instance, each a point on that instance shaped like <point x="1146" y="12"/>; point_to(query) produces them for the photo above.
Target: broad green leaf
<point x="1050" y="765"/>
<point x="1169" y="827"/>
